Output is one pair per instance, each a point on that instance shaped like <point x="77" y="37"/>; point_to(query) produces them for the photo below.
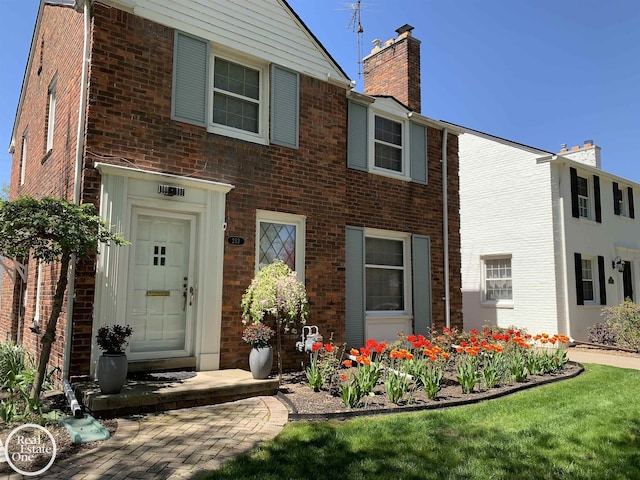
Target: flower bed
<point x="416" y="372"/>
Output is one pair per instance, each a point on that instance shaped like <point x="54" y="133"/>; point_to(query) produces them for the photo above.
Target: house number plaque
<point x="235" y="240"/>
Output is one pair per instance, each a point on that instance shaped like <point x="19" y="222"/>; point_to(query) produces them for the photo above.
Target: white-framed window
<point x="23" y="157"/>
<point x="280" y="236"/>
<point x="239" y="99"/>
<point x="588" y="282"/>
<point x="584" y="202"/>
<point x="387" y="273"/>
<point x="389" y="145"/>
<point x="388" y="153"/>
<point x="51" y="115"/>
<point x="497" y="279"/>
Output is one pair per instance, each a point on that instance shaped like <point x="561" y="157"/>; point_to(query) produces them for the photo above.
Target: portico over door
<point x="161" y="288"/>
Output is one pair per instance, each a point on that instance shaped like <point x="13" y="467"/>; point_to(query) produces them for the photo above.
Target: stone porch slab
<point x="173" y="392"/>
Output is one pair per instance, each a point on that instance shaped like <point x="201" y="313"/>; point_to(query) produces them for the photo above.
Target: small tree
<point x="51" y="230"/>
<point x="276" y="291"/>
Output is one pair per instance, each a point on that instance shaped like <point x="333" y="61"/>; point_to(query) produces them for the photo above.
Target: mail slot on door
<point x="158" y="293"/>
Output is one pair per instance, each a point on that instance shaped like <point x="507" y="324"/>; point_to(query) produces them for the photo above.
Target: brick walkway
<point x="179" y="443"/>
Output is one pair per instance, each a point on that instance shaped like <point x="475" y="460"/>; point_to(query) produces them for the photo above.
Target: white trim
<point x="299" y="221"/>
<point x="382" y="111"/>
<point x="23" y="157"/>
<point x="498" y="303"/>
<point x="405" y="238"/>
<point x="262" y="136"/>
<point x="51" y="114"/>
<point x="124" y="188"/>
<point x="36" y="316"/>
<point x="128" y="172"/>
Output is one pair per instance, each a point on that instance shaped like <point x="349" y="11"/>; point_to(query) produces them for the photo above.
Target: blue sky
<point x="538" y="72"/>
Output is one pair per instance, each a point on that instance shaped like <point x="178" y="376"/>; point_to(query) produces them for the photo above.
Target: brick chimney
<point x="588" y="153"/>
<point x="393" y="68"/>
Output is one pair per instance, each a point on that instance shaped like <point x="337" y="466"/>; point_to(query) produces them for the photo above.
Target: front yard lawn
<point x="584" y="428"/>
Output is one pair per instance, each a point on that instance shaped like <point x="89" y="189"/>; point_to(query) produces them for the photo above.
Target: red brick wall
<point x="395" y="71"/>
<point x="129" y="123"/>
<point x="57" y="51"/>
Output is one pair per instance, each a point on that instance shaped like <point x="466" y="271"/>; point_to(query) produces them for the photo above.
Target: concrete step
<point x="160" y="392"/>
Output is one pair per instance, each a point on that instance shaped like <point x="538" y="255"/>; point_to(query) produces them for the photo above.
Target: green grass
<point x="583" y="428"/>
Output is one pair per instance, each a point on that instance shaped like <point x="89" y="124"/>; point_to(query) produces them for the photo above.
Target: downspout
<point x="77" y="182"/>
<point x="563" y="246"/>
<point x="445" y="230"/>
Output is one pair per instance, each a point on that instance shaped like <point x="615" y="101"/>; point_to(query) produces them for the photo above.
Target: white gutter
<point x="77" y="182"/>
<point x="445" y="230"/>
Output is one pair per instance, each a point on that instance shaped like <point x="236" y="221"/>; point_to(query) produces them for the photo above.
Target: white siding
<point x="506" y="208"/>
<point x="262" y="29"/>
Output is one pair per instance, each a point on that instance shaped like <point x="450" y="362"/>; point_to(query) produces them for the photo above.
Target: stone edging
<point x="295" y="416"/>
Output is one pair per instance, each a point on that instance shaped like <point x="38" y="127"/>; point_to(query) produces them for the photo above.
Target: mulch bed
<point x="305" y="404"/>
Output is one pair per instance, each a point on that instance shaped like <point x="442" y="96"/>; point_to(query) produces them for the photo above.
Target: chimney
<point x="588" y="153"/>
<point x="393" y="69"/>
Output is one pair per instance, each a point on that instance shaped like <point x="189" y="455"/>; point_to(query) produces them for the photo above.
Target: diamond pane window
<point x="277" y="242"/>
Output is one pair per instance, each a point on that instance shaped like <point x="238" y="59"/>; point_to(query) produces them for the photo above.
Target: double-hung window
<point x="236" y="96"/>
<point x="588" y="294"/>
<point x="585" y="196"/>
<point x="584" y="203"/>
<point x="386" y="139"/>
<point x="23" y="158"/>
<point x="388" y="144"/>
<point x="386" y="274"/>
<point x="280" y="236"/>
<point x="50" y="116"/>
<point x="498" y="286"/>
<point x="590" y="279"/>
<point x="623" y="204"/>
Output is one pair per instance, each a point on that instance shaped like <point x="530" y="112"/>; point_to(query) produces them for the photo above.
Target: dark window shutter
<point x="596" y="194"/>
<point x="190" y="73"/>
<point x="418" y="152"/>
<point x="357" y="139"/>
<point x="578" y="268"/>
<point x="285" y="87"/>
<point x="575" y="208"/>
<point x="632" y="213"/>
<point x="421" y="280"/>
<point x="602" y="281"/>
<point x="616" y="198"/>
<point x="354" y="278"/>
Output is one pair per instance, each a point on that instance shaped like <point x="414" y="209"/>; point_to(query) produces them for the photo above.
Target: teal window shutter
<point x="285" y="88"/>
<point x="357" y="137"/>
<point x="418" y="152"/>
<point x="354" y="272"/>
<point x="190" y="79"/>
<point x="421" y="262"/>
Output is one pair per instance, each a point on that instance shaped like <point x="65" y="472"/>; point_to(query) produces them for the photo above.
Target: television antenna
<point x="355" y="25"/>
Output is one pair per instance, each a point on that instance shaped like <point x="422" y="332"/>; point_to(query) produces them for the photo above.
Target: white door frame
<point x="125" y="189"/>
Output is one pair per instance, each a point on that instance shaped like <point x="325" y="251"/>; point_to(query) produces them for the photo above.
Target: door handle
<point x="191" y="296"/>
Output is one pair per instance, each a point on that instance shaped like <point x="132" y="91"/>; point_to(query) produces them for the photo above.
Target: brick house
<point x="547" y="244"/>
<point x="217" y="138"/>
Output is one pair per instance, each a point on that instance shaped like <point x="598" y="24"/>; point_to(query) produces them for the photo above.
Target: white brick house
<point x="547" y="239"/>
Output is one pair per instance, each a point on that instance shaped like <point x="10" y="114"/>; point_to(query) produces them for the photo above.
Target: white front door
<point x="161" y="294"/>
